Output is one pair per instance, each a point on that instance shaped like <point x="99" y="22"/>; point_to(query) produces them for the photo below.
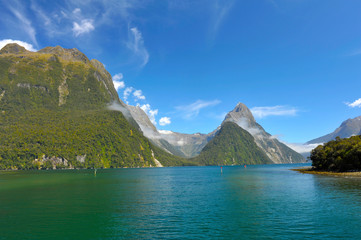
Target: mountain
<point x="232" y="145"/>
<point x="191" y="145"/>
<point x="179" y="144"/>
<point x="348" y="128"/>
<point x="58" y="109"/>
<point x="275" y="150"/>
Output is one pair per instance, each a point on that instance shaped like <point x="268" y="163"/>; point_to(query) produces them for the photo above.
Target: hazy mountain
<point x="275" y="150"/>
<point x="348" y="128"/>
<point x="57" y="109"/>
<point x="179" y="144"/>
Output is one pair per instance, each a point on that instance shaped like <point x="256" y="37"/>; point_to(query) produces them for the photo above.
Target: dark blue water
<point x="257" y="202"/>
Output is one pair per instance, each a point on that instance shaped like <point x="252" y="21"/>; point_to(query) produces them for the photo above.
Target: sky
<point x="295" y="63"/>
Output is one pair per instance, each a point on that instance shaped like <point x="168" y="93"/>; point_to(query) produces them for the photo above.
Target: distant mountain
<point x="275" y="150"/>
<point x="191" y="145"/>
<point x="58" y="109"/>
<point x="348" y="128"/>
<point x="179" y="144"/>
<point x="232" y="145"/>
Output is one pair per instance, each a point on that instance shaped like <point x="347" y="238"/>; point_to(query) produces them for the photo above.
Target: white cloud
<point x="118" y="77"/>
<point x="167" y="132"/>
<point x="136" y="44"/>
<point x="261" y="112"/>
<point x="126" y="93"/>
<point x="85" y="26"/>
<point x="138" y="95"/>
<point x="26" y="45"/>
<point x="164" y="121"/>
<point x="356" y="103"/>
<point x="150" y="112"/>
<point x="192" y="110"/>
<point x="302" y="148"/>
<point x="118" y="84"/>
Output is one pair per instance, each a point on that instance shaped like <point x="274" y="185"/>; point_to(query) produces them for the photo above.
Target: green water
<point x="259" y="202"/>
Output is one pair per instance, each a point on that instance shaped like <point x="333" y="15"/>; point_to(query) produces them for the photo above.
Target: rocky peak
<point x="99" y="66"/>
<point x="72" y="54"/>
<point x="240" y="113"/>
<point x="13" y="48"/>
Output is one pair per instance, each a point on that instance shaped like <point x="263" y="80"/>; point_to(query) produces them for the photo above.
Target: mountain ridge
<point x="348" y="128"/>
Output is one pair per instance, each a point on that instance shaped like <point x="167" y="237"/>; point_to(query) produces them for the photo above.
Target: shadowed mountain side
<point x="232" y="146"/>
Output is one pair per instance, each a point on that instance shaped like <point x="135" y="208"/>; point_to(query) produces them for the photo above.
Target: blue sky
<point x="295" y="63"/>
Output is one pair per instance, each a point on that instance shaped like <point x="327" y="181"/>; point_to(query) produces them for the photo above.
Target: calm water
<point x="259" y="202"/>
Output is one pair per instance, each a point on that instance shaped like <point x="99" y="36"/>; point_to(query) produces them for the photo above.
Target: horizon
<point x="295" y="65"/>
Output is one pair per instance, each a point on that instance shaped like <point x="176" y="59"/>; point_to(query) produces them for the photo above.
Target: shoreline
<point x="310" y="170"/>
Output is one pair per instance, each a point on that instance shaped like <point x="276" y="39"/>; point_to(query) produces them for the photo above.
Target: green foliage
<point x="232" y="146"/>
<point x="56" y="109"/>
<point x="339" y="155"/>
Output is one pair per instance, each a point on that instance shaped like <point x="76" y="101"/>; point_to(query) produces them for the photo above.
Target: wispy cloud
<point x="136" y="45"/>
<point x="354" y="53"/>
<point x="274" y="3"/>
<point x="164" y="121"/>
<point x="25" y="23"/>
<point x="356" y="103"/>
<point x="262" y="112"/>
<point x="85" y="26"/>
<point x="126" y="93"/>
<point x="220" y="10"/>
<point x="192" y="110"/>
<point x="26" y="45"/>
<point x="138" y="95"/>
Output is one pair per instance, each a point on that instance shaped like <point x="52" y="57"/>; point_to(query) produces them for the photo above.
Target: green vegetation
<point x="232" y="146"/>
<point x="53" y="114"/>
<point x="339" y="155"/>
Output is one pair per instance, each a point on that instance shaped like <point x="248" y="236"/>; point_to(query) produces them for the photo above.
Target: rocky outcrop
<point x="52" y="162"/>
<point x="13" y="48"/>
<point x="66" y="54"/>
